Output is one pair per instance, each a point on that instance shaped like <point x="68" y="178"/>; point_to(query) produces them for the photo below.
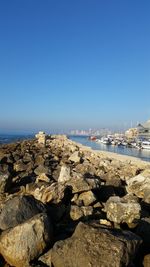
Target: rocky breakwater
<point x="64" y="205"/>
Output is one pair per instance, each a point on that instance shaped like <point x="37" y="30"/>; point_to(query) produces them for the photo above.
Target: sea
<point x="142" y="154"/>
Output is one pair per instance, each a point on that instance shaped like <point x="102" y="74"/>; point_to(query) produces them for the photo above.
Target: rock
<point x="5" y="182"/>
<point x="143" y="230"/>
<point x="75" y="157"/>
<point x="122" y="210"/>
<point x="27" y="157"/>
<point x="19" y="209"/>
<point x="41" y="169"/>
<point x="48" y="193"/>
<point x="19" y="166"/>
<point x="88" y="198"/>
<point x="95" y="246"/>
<point x="42" y="177"/>
<point x="146" y="261"/>
<point x="80" y="184"/>
<point x="39" y="160"/>
<point x="79" y="212"/>
<point x="41" y="136"/>
<point x="64" y="175"/>
<point x="97" y="205"/>
<point x="105" y="222"/>
<point x="46" y="259"/>
<point x="26" y="241"/>
<point x="140" y="186"/>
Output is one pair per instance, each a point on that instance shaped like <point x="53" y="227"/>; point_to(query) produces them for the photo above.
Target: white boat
<point x="145" y="145"/>
<point x="113" y="143"/>
<point x="133" y="144"/>
<point x="105" y="140"/>
<point x="124" y="143"/>
<point x="98" y="141"/>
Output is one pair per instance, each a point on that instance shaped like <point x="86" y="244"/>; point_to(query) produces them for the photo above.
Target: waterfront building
<point x="144" y="130"/>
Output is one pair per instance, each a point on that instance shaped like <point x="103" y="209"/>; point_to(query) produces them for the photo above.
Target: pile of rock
<point x="63" y="205"/>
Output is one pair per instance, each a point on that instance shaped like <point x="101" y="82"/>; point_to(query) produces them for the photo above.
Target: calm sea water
<point x="143" y="154"/>
<point x="10" y="138"/>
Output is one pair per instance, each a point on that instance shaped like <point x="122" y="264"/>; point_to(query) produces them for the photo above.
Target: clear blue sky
<point x="74" y="64"/>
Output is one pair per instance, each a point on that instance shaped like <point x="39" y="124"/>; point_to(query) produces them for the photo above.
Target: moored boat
<point x="145" y="145"/>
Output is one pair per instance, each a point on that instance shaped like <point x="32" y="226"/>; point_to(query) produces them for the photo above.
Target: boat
<point x="113" y="143"/>
<point x="105" y="140"/>
<point x="133" y="144"/>
<point x="145" y="145"/>
<point x="92" y="138"/>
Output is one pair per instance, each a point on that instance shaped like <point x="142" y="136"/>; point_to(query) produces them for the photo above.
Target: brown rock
<point x="26" y="241"/>
<point x="123" y="210"/>
<point x="146" y="261"/>
<point x="95" y="246"/>
<point x="80" y="212"/>
<point x="88" y="198"/>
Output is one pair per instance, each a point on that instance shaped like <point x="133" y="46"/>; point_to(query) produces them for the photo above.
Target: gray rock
<point x="26" y="241"/>
<point x="95" y="246"/>
<point x="19" y="209"/>
<point x="122" y="210"/>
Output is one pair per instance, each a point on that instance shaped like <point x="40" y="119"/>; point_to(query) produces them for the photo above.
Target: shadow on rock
<point x="106" y="191"/>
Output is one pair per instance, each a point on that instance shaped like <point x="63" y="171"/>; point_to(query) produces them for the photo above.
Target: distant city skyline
<point x="74" y="65"/>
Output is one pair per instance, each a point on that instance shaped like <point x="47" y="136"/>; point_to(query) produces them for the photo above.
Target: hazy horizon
<point x="74" y="64"/>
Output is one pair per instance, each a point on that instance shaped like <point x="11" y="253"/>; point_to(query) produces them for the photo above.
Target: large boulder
<point x="140" y="186"/>
<point x="26" y="241"/>
<point x="19" y="209"/>
<point x="95" y="246"/>
<point x="123" y="210"/>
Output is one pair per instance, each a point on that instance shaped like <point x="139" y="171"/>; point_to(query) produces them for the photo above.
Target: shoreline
<point x="102" y="153"/>
<point x="113" y="155"/>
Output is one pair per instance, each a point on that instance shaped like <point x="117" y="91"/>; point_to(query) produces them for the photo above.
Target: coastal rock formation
<point x="61" y="204"/>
